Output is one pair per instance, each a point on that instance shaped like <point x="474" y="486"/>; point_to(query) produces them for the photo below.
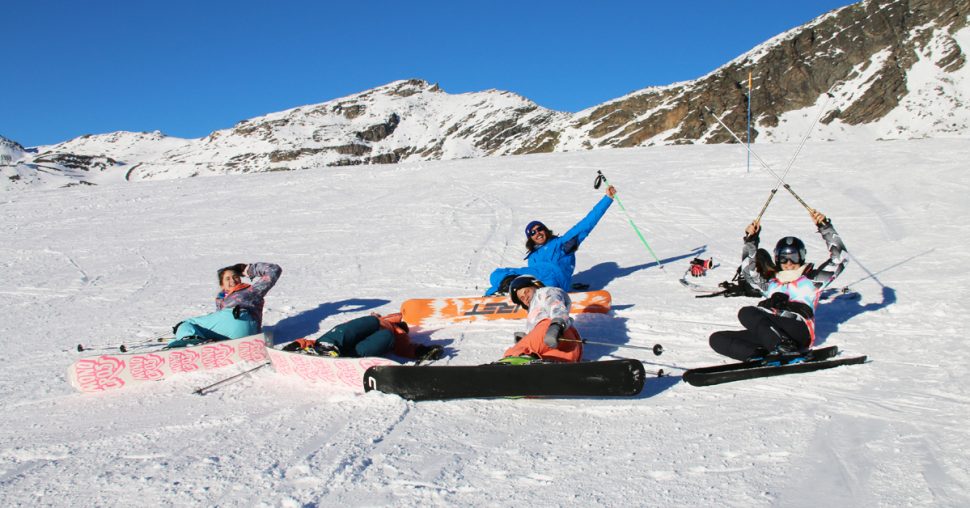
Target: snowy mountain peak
<point x="10" y="151"/>
<point x="872" y="70"/>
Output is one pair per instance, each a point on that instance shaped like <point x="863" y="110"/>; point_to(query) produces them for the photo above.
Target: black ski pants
<point x="762" y="333"/>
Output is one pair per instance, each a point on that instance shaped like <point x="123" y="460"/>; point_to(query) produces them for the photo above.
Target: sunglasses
<point x="536" y="230"/>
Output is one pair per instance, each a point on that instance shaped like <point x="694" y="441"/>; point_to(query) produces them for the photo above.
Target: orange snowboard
<point x="478" y="308"/>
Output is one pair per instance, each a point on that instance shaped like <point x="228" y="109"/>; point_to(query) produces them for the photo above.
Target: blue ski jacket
<point x="554" y="262"/>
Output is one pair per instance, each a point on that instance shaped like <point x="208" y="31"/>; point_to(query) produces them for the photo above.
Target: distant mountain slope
<point x="895" y="69"/>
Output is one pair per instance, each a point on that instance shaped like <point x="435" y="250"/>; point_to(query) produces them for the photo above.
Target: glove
<point x="518" y="336"/>
<point x="429" y="352"/>
<point x="175" y="329"/>
<point x="776" y="301"/>
<point x="240" y="268"/>
<point x="503" y="287"/>
<point x="699" y="267"/>
<point x="554" y="333"/>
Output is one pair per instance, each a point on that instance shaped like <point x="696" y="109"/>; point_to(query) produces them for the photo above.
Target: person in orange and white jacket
<point x="548" y="322"/>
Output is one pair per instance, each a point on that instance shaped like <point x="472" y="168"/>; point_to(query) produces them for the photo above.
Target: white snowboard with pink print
<point x="105" y="373"/>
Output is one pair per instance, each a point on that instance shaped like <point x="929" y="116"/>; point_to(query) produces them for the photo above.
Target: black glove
<point x="429" y="353"/>
<point x="503" y="287"/>
<point x="175" y="329"/>
<point x="554" y="333"/>
<point x="776" y="301"/>
<point x="239" y="268"/>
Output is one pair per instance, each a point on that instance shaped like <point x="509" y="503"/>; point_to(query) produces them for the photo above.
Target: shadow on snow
<point x="845" y="307"/>
<point x="601" y="275"/>
<point x="613" y="330"/>
<point x="307" y="323"/>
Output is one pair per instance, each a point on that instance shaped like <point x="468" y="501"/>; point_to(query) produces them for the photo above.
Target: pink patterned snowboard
<point x="112" y="372"/>
<point x="340" y="373"/>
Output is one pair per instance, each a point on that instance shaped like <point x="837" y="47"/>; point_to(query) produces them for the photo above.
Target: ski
<point x="792" y="363"/>
<point x="116" y="371"/>
<point x="613" y="378"/>
<point x="728" y="289"/>
<point x="479" y="308"/>
<point x="324" y="371"/>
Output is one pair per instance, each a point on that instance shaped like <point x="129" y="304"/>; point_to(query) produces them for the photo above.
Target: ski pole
<point x="828" y="95"/>
<point x="122" y="347"/>
<point x="204" y="389"/>
<point x="763" y="163"/>
<point x="873" y="275"/>
<point x="600" y="178"/>
<point x="657" y="350"/>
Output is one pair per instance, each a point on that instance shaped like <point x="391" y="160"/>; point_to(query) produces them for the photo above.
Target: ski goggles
<point x="789" y="257"/>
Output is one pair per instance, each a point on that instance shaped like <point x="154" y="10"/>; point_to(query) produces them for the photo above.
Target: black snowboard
<point x="614" y="378"/>
<point x="816" y="359"/>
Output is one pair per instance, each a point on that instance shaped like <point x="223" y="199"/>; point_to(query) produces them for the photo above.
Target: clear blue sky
<point x="190" y="67"/>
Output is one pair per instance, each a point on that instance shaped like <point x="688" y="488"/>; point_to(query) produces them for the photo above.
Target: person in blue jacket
<point x="552" y="258"/>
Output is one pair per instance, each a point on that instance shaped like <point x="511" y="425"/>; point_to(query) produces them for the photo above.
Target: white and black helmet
<point x="520" y="282"/>
<point x="790" y="249"/>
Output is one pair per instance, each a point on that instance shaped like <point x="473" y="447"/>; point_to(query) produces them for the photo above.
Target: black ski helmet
<point x="520" y="282"/>
<point x="790" y="249"/>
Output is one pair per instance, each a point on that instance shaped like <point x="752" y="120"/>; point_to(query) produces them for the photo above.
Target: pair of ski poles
<point x="122" y="347"/>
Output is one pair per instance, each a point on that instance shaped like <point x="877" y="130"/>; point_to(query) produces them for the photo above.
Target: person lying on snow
<point x="785" y="320"/>
<point x="372" y="335"/>
<point x="239" y="306"/>
<point x="552" y="258"/>
<point x="551" y="334"/>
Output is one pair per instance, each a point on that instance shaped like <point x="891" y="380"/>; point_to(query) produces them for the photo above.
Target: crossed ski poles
<point x="781" y="181"/>
<point x="828" y="96"/>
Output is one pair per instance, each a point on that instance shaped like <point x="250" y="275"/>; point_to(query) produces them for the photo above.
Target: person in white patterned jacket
<point x="548" y="322"/>
<point x="785" y="320"/>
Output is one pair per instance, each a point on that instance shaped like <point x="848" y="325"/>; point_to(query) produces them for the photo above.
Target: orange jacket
<point x="533" y="343"/>
<point x="402" y="342"/>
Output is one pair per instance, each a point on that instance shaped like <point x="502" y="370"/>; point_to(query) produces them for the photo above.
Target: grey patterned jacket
<point x="263" y="277"/>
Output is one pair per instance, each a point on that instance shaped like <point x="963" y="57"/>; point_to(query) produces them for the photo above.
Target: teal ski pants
<point x="360" y="337"/>
<point x="220" y="325"/>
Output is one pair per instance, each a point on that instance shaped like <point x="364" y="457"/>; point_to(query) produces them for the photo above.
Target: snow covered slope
<point x="116" y="263"/>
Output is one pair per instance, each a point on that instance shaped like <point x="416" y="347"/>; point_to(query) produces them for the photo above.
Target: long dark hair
<point x="764" y="264"/>
<point x="530" y="244"/>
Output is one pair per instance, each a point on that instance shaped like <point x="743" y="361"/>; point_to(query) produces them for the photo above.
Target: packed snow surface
<point x="124" y="262"/>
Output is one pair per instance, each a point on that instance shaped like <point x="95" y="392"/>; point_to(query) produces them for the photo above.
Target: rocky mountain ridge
<point x="872" y="70"/>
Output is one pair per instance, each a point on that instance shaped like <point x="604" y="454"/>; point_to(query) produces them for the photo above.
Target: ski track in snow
<point x="112" y="264"/>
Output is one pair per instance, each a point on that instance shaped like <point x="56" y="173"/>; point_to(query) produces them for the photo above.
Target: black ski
<point x="794" y="363"/>
<point x="613" y="378"/>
